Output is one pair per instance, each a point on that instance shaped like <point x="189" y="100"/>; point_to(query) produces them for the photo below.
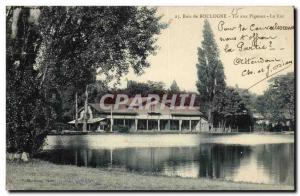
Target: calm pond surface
<point x="262" y="158"/>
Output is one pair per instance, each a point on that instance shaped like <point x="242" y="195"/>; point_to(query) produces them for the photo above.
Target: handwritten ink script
<point x="255" y="45"/>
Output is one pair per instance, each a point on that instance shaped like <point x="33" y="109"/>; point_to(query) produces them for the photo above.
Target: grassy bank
<point x="40" y="175"/>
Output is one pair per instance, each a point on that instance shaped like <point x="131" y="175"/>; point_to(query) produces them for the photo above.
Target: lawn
<point x="41" y="175"/>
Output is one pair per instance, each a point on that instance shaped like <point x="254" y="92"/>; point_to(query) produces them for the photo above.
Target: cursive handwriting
<point x="254" y="60"/>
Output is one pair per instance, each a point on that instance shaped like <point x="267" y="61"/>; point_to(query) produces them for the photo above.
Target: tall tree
<point x="85" y="41"/>
<point x="277" y="104"/>
<point x="28" y="111"/>
<point x="57" y="51"/>
<point x="210" y="71"/>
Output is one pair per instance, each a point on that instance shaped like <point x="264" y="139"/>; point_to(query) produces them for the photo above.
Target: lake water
<point x="262" y="158"/>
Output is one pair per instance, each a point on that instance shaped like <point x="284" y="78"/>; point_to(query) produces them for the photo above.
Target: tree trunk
<point x="84" y="127"/>
<point x="76" y="111"/>
<point x="210" y="117"/>
<point x="224" y="125"/>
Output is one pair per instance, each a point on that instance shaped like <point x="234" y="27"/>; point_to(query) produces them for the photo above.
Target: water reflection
<point x="270" y="163"/>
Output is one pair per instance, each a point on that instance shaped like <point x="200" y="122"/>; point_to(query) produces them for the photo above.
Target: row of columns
<point x="158" y="124"/>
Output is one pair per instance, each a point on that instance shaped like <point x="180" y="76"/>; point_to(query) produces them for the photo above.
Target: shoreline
<point x="42" y="175"/>
<point x="168" y="132"/>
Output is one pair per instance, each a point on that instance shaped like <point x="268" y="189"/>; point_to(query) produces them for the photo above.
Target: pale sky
<point x="177" y="57"/>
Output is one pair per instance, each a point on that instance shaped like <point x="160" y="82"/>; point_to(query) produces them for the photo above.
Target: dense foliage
<point x="277" y="104"/>
<point x="174" y="88"/>
<point x="53" y="53"/>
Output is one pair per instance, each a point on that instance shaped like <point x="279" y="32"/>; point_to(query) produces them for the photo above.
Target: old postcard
<point x="150" y="98"/>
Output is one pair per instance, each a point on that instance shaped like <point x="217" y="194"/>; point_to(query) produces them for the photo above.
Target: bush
<point x="121" y="128"/>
